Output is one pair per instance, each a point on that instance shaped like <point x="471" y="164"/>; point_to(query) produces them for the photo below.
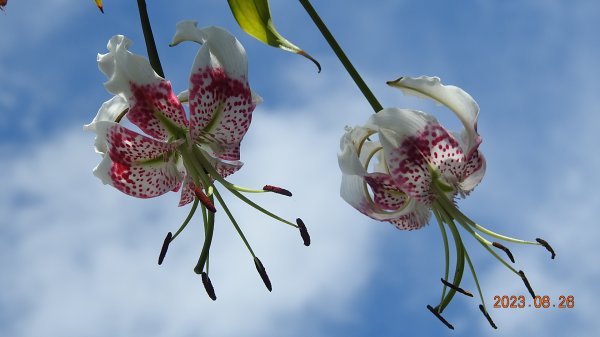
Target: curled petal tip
<point x="165" y="247"/>
<point x="547" y="246"/>
<point x="303" y="232"/>
<point x="442" y="319"/>
<point x="487" y="316"/>
<point x="263" y="273"/>
<point x="210" y="290"/>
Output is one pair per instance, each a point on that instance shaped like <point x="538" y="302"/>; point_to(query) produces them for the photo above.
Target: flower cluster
<point x="403" y="165"/>
<point x="179" y="150"/>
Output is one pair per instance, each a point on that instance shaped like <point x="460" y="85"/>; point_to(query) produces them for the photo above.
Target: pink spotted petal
<point x="414" y="143"/>
<point x="473" y="173"/>
<point x="142" y="181"/>
<point x="354" y="193"/>
<point x="132" y="77"/>
<point x="130" y="148"/>
<point x="187" y="192"/>
<point x="386" y="194"/>
<point x="456" y="99"/>
<point x="416" y="219"/>
<point x="220" y="99"/>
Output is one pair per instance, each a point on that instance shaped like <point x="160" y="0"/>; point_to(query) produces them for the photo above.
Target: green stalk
<point x="149" y="38"/>
<point x="341" y="56"/>
<point x="208" y="230"/>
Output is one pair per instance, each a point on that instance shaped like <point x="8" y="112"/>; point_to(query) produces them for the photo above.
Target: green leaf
<point x="254" y="17"/>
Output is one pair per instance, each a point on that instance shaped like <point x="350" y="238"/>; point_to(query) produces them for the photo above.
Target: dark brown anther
<point x="204" y="199"/>
<point x="501" y="247"/>
<point x="277" y="190"/>
<point x="437" y="314"/>
<point x="165" y="247"/>
<point x="263" y="273"/>
<point x="303" y="232"/>
<point x="458" y="289"/>
<point x="487" y="316"/>
<point x="522" y="274"/>
<point x="208" y="286"/>
<point x="547" y="246"/>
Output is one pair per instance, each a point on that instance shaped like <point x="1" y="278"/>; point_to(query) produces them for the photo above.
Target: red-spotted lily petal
<point x="135" y="164"/>
<point x="456" y="99"/>
<point x="415" y="145"/>
<point x="154" y="107"/>
<point x="354" y="160"/>
<point x="109" y="111"/>
<point x="220" y="99"/>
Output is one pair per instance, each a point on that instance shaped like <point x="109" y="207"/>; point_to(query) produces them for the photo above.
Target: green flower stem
<point x="206" y="230"/>
<point x="341" y="56"/>
<point x="149" y="38"/>
<point x="446" y="251"/>
<point x="187" y="220"/>
<point x="213" y="173"/>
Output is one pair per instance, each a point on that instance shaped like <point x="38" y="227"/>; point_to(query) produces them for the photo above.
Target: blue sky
<point x="79" y="258"/>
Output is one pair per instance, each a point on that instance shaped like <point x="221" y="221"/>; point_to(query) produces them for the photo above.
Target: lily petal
<point x="135" y="164"/>
<point x="456" y="99"/>
<point x="474" y="172"/>
<point x="109" y="111"/>
<point x="220" y="99"/>
<point x="132" y="76"/>
<point x="415" y="144"/>
<point x="416" y="219"/>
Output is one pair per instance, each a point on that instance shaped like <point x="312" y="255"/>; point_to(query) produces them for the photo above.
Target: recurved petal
<point x="355" y="193"/>
<point x="132" y="76"/>
<point x="220" y="99"/>
<point x="473" y="172"/>
<point x="142" y="181"/>
<point x="456" y="99"/>
<point x="417" y="218"/>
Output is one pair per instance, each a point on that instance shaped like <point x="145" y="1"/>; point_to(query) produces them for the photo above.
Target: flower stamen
<point x="547" y="246"/>
<point x="487" y="316"/>
<point x="442" y="319"/>
<point x="164" y="248"/>
<point x="522" y="274"/>
<point x="204" y="199"/>
<point x="210" y="290"/>
<point x="456" y="288"/>
<point x="303" y="232"/>
<point x="278" y="190"/>
<point x="503" y="248"/>
<point x="263" y="273"/>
